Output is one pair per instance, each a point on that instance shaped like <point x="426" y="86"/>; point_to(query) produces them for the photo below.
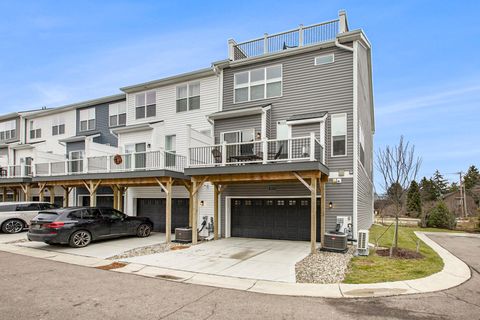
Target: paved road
<point x="33" y="288"/>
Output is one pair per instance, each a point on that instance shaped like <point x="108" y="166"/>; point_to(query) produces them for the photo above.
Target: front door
<point x="76" y="161"/>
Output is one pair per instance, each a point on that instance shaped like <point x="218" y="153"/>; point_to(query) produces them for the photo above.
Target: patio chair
<point x="217" y="155"/>
<point x="279" y="153"/>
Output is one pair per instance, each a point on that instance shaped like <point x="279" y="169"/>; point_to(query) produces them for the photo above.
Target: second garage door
<point x="281" y="219"/>
<point x="155" y="210"/>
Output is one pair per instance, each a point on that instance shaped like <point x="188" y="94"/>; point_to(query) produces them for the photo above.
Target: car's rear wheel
<point x="80" y="239"/>
<point x="13" y="226"/>
<point x="144" y="230"/>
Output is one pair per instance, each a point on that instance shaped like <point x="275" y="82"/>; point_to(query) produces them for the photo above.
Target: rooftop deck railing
<point x="257" y="152"/>
<point x="302" y="36"/>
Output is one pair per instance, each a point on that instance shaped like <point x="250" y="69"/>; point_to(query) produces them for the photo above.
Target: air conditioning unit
<point x="362" y="245"/>
<point x="334" y="241"/>
<point x="183" y="235"/>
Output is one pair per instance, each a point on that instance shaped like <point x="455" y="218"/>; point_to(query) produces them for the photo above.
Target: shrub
<point x="440" y="217"/>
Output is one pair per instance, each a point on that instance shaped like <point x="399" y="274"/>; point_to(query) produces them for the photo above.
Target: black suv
<point x="78" y="226"/>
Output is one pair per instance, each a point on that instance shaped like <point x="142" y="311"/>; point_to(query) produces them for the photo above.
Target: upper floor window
<point x="35" y="133"/>
<point x="58" y="126"/>
<point x="188" y="97"/>
<point x="87" y="119"/>
<point x="8" y="130"/>
<point x="117" y="114"/>
<point x="258" y="84"/>
<point x="145" y="104"/>
<point x="171" y="143"/>
<point x="324" y="59"/>
<point x="339" y="134"/>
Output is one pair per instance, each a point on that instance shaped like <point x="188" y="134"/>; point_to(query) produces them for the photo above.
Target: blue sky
<point x="425" y="57"/>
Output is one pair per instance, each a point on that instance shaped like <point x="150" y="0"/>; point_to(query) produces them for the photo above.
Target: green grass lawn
<point x="374" y="268"/>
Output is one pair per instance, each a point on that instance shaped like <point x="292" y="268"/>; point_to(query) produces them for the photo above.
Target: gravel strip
<point x="323" y="267"/>
<point x="156" y="248"/>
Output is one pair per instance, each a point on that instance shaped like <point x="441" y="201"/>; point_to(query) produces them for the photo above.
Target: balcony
<point x="16" y="171"/>
<point x="302" y="149"/>
<point x="296" y="38"/>
<point x="138" y="161"/>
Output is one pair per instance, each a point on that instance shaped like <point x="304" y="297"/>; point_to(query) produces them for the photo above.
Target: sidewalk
<point x="454" y="273"/>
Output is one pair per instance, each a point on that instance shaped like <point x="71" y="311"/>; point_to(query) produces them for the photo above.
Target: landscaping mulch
<point x="323" y="267"/>
<point x="143" y="251"/>
<point x="114" y="265"/>
<point x="400" y="253"/>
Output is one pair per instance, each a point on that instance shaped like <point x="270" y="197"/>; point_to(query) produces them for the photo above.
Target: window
<point x="362" y="144"/>
<point x="8" y="130"/>
<point x="339" y="135"/>
<point x="245" y="135"/>
<point x="58" y="129"/>
<point x="117" y="114"/>
<point x="258" y="84"/>
<point x="34" y="133"/>
<point x="170" y="143"/>
<point x="324" y="59"/>
<point x="188" y="97"/>
<point x="145" y="104"/>
<point x="87" y="119"/>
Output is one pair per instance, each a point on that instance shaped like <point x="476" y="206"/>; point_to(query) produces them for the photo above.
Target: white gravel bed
<point x="156" y="248"/>
<point x="323" y="267"/>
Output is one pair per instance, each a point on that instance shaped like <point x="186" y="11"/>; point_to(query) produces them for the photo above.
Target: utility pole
<point x="462" y="196"/>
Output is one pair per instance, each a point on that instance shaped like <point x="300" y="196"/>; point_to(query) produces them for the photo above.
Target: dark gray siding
<point x="307" y="88"/>
<point x="365" y="172"/>
<point x="339" y="194"/>
<point x="75" y="146"/>
<point x="240" y="123"/>
<point x="101" y="125"/>
<point x="303" y="130"/>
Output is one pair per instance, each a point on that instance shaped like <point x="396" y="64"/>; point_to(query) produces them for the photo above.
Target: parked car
<point x="16" y="216"/>
<point x="79" y="226"/>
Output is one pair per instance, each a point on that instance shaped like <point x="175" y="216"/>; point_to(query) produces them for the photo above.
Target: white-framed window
<point x="245" y="135"/>
<point x="35" y="133"/>
<point x="324" y="59"/>
<point x="145" y="104"/>
<point x="117" y="114"/>
<point x="188" y="97"/>
<point x="339" y="134"/>
<point x="362" y="143"/>
<point x="258" y="84"/>
<point x="58" y="126"/>
<point x="8" y="130"/>
<point x="171" y="143"/>
<point x="87" y="119"/>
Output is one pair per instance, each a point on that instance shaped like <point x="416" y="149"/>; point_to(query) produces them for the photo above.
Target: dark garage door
<point x="155" y="210"/>
<point x="281" y="219"/>
<point x="102" y="201"/>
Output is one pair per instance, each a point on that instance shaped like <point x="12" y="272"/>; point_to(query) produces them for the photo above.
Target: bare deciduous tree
<point x="398" y="166"/>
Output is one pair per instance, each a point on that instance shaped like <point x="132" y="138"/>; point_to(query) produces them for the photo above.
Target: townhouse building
<point x="274" y="142"/>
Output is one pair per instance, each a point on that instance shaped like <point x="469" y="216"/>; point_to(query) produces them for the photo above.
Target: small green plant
<point x="440" y="217"/>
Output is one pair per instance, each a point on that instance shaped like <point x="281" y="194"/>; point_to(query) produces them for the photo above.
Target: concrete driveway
<point x="5" y="238"/>
<point x="101" y="249"/>
<point x="236" y="257"/>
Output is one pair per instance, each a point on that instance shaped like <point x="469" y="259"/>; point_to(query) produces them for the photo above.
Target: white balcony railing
<point x="138" y="161"/>
<point x="257" y="152"/>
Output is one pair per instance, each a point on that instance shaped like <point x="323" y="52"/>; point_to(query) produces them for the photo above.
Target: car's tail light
<point x="54" y="225"/>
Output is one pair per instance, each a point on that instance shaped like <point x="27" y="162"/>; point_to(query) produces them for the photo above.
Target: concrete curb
<point x="454" y="273"/>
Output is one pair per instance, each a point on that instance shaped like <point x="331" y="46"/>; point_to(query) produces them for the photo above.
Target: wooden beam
<point x="199" y="185"/>
<point x="168" y="213"/>
<point x="190" y="207"/>
<point x="322" y="212"/>
<point x="115" y="197"/>
<point x="216" y="193"/>
<point x="121" y="191"/>
<point x="41" y="191"/>
<point x="194" y="212"/>
<point x="66" y="196"/>
<point x="302" y="181"/>
<point x="4" y="195"/>
<point x="51" y="191"/>
<point x="313" y="215"/>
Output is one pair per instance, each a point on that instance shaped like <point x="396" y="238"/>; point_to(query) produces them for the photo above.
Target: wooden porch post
<point x="121" y="191"/>
<point x="322" y="212"/>
<point x="190" y="207"/>
<point x="66" y="195"/>
<point x="194" y="212"/>
<point x="51" y="190"/>
<point x="168" y="211"/>
<point x="115" y="196"/>
<point x="4" y="195"/>
<point x="313" y="215"/>
<point x="92" y="187"/>
<point x="15" y="194"/>
<point x="26" y="188"/>
<point x="41" y="192"/>
<point x="215" y="211"/>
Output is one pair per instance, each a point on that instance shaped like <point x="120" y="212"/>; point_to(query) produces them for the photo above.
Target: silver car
<point x="16" y="216"/>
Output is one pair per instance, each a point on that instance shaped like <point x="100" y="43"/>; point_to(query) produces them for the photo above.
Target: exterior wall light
<point x="330" y="205"/>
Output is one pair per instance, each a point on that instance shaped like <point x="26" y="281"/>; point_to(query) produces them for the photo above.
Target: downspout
<point x="342" y="46"/>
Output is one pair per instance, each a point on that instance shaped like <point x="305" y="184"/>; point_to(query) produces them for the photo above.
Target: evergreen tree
<point x="453" y="187"/>
<point x="414" y="200"/>
<point x="471" y="178"/>
<point x="427" y="190"/>
<point x="440" y="184"/>
<point x="394" y="189"/>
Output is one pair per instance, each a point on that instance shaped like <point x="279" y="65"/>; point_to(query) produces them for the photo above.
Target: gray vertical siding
<point x="303" y="130"/>
<point x="240" y="123"/>
<point x="75" y="146"/>
<point x="364" y="173"/>
<point x="102" y="125"/>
